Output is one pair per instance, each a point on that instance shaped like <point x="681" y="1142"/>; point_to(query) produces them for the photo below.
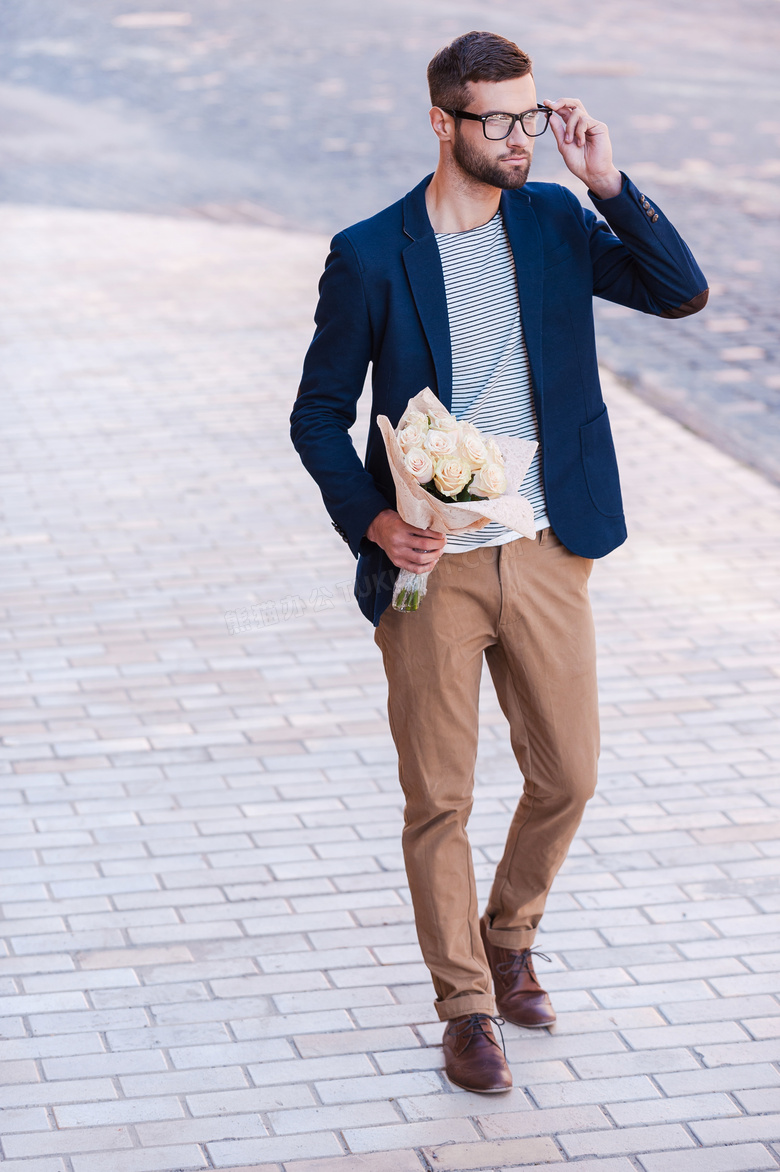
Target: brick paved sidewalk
<point x="210" y="958"/>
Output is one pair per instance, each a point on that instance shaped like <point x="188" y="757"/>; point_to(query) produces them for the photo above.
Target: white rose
<point x="414" y="419"/>
<point x="443" y="421"/>
<point x="441" y="443"/>
<point x="473" y="449"/>
<point x="489" y="482"/>
<point x="420" y="464"/>
<point x="495" y="455"/>
<point x="410" y="437"/>
<point x="451" y="474"/>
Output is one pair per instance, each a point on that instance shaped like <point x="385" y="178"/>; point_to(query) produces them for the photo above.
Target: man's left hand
<point x="585" y="147"/>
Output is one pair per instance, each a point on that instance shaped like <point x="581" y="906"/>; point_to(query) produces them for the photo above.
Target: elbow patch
<point x="688" y="307"/>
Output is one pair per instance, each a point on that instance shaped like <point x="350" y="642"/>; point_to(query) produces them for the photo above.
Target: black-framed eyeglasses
<point x="496" y="126"/>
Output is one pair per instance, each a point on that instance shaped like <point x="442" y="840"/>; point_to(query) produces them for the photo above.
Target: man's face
<point x="504" y="163"/>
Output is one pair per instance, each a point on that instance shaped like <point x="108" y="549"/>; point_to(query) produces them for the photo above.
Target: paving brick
<point x="118" y="1111"/>
<point x="25" y="1119"/>
<point x="652" y="994"/>
<point x="17" y="1072"/>
<point x="402" y="1162"/>
<point x="763" y="1027"/>
<point x="632" y="1062"/>
<point x="183" y="1082"/>
<point x="409" y="1135"/>
<point x="41" y="1003"/>
<point x="163" y="1036"/>
<point x="200" y="1130"/>
<point x="460" y="1104"/>
<point x="424" y="1058"/>
<point x="41" y="1164"/>
<point x="719" y="1079"/>
<point x="82" y="1091"/>
<point x="679" y="1109"/>
<point x="740" y="1052"/>
<point x="333" y="1118"/>
<point x="413" y="1012"/>
<point x="15" y="1047"/>
<point x="734" y="1158"/>
<point x="744" y="1129"/>
<point x="97" y="1065"/>
<point x="111" y="979"/>
<point x="627" y="1140"/>
<point x="595" y="1090"/>
<point x="229" y="1153"/>
<point x="551" y="1121"/>
<point x="310" y="1069"/>
<point x="85" y="1139"/>
<point x="137" y="957"/>
<point x="597" y="1020"/>
<point x="188" y="1057"/>
<point x="697" y="1034"/>
<point x="314" y="1045"/>
<point x="290" y="1003"/>
<point x="608" y="1165"/>
<point x="392" y="1086"/>
<point x="182" y="1157"/>
<point x="455" y="1157"/>
<point x="720" y="1009"/>
<point x="324" y="959"/>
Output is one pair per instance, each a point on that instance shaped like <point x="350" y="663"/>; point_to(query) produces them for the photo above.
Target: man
<point x="480" y="286"/>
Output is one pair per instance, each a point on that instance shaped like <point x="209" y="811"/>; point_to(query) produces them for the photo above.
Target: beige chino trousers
<point x="525" y="606"/>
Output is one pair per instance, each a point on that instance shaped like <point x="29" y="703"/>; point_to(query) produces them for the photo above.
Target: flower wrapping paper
<point x="419" y="508"/>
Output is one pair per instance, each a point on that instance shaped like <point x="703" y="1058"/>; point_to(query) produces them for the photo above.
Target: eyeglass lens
<point x="534" y="122"/>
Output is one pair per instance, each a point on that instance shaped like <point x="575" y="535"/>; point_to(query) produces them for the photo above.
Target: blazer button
<point x="655" y="217"/>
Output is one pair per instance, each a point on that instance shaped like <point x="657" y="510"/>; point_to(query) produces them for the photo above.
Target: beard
<point x="488" y="170"/>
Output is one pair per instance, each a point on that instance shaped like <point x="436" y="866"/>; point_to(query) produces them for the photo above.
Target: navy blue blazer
<point x="383" y="302"/>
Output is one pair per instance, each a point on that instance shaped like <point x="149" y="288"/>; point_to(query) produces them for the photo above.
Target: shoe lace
<point x="519" y="962"/>
<point x="475" y="1023"/>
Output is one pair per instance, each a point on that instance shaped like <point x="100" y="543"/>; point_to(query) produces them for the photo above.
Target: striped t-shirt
<point x="491" y="376"/>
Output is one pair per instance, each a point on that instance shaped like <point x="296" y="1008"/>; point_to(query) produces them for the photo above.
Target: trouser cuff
<point x="459" y="1006"/>
<point x="513" y="940"/>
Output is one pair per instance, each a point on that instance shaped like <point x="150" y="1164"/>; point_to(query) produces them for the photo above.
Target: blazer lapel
<point x="423" y="268"/>
<point x="525" y="240"/>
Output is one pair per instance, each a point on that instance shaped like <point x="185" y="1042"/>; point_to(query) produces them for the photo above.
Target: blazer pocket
<point x="600" y="465"/>
<point x="557" y="256"/>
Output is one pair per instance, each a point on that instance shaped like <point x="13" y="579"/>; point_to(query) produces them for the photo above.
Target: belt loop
<point x="543" y="536"/>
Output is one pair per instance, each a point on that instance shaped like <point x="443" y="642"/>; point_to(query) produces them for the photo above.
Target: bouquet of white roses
<point x="450" y="477"/>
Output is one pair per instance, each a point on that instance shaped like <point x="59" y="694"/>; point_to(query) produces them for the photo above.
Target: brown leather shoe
<point x="473" y="1059"/>
<point x="519" y="996"/>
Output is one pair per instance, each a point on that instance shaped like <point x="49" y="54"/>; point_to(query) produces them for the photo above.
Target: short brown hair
<point x="473" y="57"/>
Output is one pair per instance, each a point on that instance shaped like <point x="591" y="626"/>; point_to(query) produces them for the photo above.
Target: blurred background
<point x="311" y="114"/>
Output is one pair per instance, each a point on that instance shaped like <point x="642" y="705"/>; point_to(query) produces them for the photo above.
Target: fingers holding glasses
<point x="585" y="147"/>
<point x="575" y="118"/>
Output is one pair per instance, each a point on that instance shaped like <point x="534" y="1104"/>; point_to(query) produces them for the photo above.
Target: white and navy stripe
<point x="491" y="376"/>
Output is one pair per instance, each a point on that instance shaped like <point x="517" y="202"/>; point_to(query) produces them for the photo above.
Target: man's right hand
<point x="408" y="548"/>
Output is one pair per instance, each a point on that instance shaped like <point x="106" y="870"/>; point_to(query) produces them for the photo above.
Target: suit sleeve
<point x="334" y="373"/>
<point x="638" y="257"/>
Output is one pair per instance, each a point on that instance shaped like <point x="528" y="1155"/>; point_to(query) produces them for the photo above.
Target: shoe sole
<point x="537" y="1025"/>
<point x="478" y="1090"/>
